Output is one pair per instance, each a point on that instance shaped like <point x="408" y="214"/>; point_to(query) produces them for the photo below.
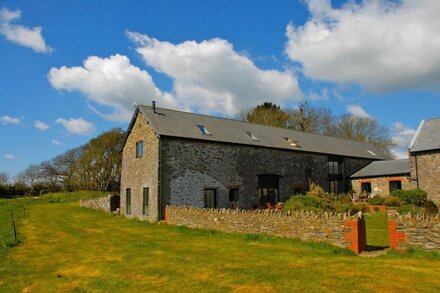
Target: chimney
<point x="154" y="107"/>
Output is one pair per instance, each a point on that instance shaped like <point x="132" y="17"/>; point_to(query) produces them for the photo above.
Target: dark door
<point x="210" y="198"/>
<point x="268" y="187"/>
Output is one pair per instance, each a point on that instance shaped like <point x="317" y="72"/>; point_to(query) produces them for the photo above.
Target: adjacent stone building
<point x="180" y="158"/>
<point x="382" y="177"/>
<point x="421" y="170"/>
<point x="424" y="157"/>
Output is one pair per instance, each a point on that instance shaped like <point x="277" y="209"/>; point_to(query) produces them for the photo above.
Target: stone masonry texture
<point x="381" y="185"/>
<point x="425" y="168"/>
<point x="139" y="173"/>
<point x="421" y="231"/>
<point x="308" y="226"/>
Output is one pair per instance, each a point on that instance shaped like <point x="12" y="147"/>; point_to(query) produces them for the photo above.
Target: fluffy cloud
<point x="357" y="110"/>
<point x="402" y="136"/>
<point x="55" y="142"/>
<point x="41" y="125"/>
<point x="379" y="44"/>
<point x="77" y="126"/>
<point x="211" y="76"/>
<point x="10" y="157"/>
<point x="9" y="120"/>
<point x="19" y="34"/>
<point x="112" y="82"/>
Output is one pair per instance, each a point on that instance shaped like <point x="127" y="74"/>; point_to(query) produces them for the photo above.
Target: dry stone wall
<point x="425" y="169"/>
<point x="328" y="227"/>
<point x="108" y="204"/>
<point x="421" y="231"/>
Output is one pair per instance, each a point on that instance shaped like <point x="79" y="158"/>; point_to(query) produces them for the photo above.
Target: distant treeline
<point x="93" y="166"/>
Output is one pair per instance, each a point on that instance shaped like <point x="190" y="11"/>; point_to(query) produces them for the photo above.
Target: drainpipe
<point x="417" y="171"/>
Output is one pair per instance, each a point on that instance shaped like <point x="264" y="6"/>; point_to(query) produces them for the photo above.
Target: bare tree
<point x="4" y="178"/>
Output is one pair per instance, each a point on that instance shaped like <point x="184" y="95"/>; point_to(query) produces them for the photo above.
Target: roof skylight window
<point x="252" y="136"/>
<point x="292" y="142"/>
<point x="204" y="130"/>
<point x="371" y="153"/>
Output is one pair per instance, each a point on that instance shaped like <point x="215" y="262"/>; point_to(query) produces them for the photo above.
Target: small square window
<point x="366" y="187"/>
<point x="139" y="148"/>
<point x="204" y="130"/>
<point x="395" y="185"/>
<point x="233" y="194"/>
<point x="252" y="136"/>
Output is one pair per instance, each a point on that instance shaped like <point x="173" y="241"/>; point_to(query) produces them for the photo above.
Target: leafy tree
<point x="268" y="114"/>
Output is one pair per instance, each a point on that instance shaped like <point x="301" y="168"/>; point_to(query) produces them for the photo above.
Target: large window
<point x="145" y="195"/>
<point x="366" y="187"/>
<point x="233" y="194"/>
<point x="128" y="201"/>
<point x="268" y="186"/>
<point x="334" y="168"/>
<point x="335" y="186"/>
<point x="139" y="148"/>
<point x="210" y="198"/>
<point x="395" y="185"/>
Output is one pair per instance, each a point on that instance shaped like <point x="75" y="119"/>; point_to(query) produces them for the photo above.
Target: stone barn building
<point x="382" y="177"/>
<point x="180" y="158"/>
<point x="424" y="158"/>
<point x="421" y="170"/>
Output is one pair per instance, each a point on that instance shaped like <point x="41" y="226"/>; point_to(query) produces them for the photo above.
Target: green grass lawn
<point x="65" y="248"/>
<point x="377" y="230"/>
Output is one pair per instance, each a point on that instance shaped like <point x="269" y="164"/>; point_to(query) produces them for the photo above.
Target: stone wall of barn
<point x="381" y="185"/>
<point x="188" y="167"/>
<point x="139" y="173"/>
<point x="425" y="168"/>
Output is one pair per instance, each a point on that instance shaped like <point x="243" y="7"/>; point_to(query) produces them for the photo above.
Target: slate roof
<point x="427" y="136"/>
<point x="384" y="168"/>
<point x="184" y="125"/>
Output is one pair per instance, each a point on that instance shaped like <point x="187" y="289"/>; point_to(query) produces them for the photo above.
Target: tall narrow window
<point x="139" y="148"/>
<point x="233" y="194"/>
<point x="210" y="198"/>
<point x="395" y="185"/>
<point x="145" y="195"/>
<point x="366" y="187"/>
<point x="128" y="201"/>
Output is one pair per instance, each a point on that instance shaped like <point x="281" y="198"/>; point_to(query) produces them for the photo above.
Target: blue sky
<point x="73" y="69"/>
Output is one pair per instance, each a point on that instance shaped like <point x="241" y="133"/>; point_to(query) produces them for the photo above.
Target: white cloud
<point x="357" y="110"/>
<point x="77" y="126"/>
<point x="10" y="157"/>
<point x="112" y="82"/>
<point x="41" y="125"/>
<point x="323" y="95"/>
<point x="379" y="44"/>
<point x="9" y="120"/>
<point x="55" y="142"/>
<point x="402" y="136"/>
<point x="210" y="76"/>
<point x="19" y="34"/>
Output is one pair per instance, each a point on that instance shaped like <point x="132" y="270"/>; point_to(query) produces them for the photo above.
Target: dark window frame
<point x="128" y="201"/>
<point x="233" y="194"/>
<point x="392" y="182"/>
<point x="366" y="190"/>
<point x="145" y="200"/>
<point x="205" y="197"/>
<point x="139" y="149"/>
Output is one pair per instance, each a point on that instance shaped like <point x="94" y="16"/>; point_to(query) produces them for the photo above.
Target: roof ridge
<point x="261" y="125"/>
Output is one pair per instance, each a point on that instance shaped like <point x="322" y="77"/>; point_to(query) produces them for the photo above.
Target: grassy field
<point x="377" y="230"/>
<point x="65" y="248"/>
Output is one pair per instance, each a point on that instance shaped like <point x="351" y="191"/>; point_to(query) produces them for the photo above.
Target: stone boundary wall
<point x="421" y="231"/>
<point x="108" y="203"/>
<point x="339" y="229"/>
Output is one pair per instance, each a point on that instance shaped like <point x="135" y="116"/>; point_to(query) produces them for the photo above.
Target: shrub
<point x="376" y="201"/>
<point x="316" y="191"/>
<point x="409" y="208"/>
<point x="392" y="201"/>
<point x="411" y="196"/>
<point x="341" y="207"/>
<point x="360" y="207"/>
<point x="430" y="207"/>
<point x="304" y="202"/>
